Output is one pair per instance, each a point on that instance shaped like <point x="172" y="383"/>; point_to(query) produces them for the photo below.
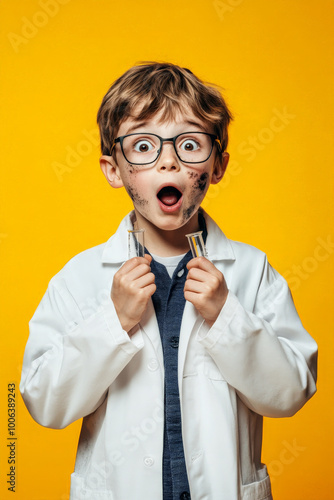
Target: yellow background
<point x="270" y="57"/>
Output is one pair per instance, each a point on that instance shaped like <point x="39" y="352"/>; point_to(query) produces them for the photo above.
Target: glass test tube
<point x="196" y="244"/>
<point x="136" y="247"/>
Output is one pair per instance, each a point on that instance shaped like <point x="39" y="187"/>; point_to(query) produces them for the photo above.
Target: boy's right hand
<point x="132" y="288"/>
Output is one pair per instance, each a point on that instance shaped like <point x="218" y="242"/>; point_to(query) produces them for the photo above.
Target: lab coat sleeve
<point x="70" y="362"/>
<point x="265" y="354"/>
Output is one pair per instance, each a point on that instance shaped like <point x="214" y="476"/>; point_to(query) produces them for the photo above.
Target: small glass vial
<point x="136" y="247"/>
<point x="196" y="244"/>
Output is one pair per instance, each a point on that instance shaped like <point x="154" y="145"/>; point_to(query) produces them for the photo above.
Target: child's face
<point x="168" y="192"/>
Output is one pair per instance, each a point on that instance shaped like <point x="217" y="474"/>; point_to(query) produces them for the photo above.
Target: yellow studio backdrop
<point x="275" y="61"/>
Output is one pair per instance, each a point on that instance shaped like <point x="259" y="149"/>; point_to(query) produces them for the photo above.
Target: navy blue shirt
<point x="169" y="304"/>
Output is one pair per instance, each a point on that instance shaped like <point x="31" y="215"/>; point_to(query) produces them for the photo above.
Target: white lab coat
<point x="256" y="360"/>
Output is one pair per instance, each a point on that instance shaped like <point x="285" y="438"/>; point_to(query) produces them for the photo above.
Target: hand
<point x="205" y="288"/>
<point x="132" y="287"/>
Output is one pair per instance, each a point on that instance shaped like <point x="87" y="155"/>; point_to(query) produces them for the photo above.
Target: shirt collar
<point x="116" y="248"/>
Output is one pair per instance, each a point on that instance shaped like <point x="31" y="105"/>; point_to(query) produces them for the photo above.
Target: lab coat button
<point x="148" y="461"/>
<point x="180" y="273"/>
<point x="174" y="342"/>
<point x="185" y="495"/>
<point x="153" y="365"/>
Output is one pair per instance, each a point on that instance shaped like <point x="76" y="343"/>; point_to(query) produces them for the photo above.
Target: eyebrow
<point x="196" y="124"/>
<point x="143" y="124"/>
<point x="135" y="126"/>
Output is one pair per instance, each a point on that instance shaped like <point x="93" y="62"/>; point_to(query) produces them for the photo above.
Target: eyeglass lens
<point x="190" y="147"/>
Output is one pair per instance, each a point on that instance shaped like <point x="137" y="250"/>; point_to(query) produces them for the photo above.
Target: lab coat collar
<point x="116" y="248"/>
<point x="217" y="245"/>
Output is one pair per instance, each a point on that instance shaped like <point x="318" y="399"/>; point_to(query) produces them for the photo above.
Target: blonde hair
<point x="145" y="89"/>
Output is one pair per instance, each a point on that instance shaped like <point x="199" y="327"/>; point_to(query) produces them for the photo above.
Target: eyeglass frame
<point x="214" y="139"/>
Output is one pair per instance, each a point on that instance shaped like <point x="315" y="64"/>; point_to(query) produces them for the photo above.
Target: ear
<point x="219" y="167"/>
<point x="111" y="171"/>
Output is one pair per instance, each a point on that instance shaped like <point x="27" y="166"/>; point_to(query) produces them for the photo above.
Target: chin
<point x="169" y="226"/>
<point x="166" y="223"/>
<point x="176" y="224"/>
<point x="171" y="222"/>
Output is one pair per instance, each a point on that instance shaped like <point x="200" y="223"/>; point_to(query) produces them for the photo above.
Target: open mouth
<point x="169" y="196"/>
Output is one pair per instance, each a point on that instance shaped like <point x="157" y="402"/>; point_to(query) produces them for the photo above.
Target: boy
<point x="175" y="369"/>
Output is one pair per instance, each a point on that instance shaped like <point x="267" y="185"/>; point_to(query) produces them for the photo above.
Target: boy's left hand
<point x="205" y="288"/>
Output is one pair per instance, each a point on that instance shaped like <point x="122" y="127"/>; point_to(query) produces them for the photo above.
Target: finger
<point x="148" y="257"/>
<point x="194" y="286"/>
<point x="150" y="289"/>
<point x="204" y="264"/>
<point x="137" y="272"/>
<point x="207" y="288"/>
<point x="198" y="274"/>
<point x="142" y="293"/>
<point x="208" y="281"/>
<point x="191" y="297"/>
<point x="132" y="263"/>
<point x="144" y="281"/>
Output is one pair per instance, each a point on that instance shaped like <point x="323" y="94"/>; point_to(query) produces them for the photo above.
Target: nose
<point x="168" y="159"/>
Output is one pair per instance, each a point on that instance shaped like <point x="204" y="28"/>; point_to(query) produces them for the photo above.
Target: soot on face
<point x="198" y="187"/>
<point x="135" y="197"/>
<point x="132" y="169"/>
<point x="202" y="181"/>
<point x="188" y="212"/>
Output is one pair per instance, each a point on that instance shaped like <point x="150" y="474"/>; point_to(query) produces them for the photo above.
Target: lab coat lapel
<point x="150" y="327"/>
<point x="191" y="320"/>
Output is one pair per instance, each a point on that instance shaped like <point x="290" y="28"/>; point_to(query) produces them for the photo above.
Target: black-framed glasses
<point x="143" y="148"/>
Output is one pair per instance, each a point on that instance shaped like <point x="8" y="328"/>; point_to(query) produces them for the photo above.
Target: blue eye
<point x="143" y="146"/>
<point x="189" y="145"/>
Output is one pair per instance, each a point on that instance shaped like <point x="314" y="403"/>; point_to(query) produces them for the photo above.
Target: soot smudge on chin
<point x="188" y="212"/>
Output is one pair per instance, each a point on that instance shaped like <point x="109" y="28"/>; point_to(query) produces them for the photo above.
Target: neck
<point x="167" y="243"/>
